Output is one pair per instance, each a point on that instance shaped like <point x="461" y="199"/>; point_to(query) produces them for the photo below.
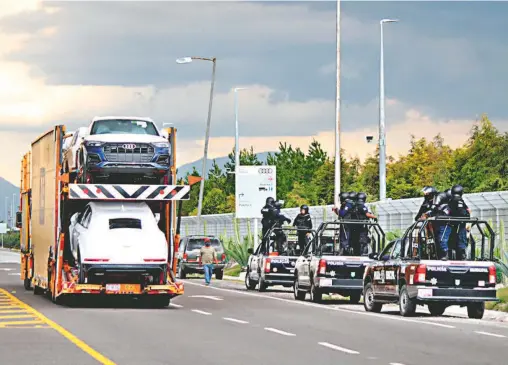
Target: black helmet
<point x="442" y="198"/>
<point x="353" y="195"/>
<point x="457" y="190"/>
<point x="429" y="192"/>
<point x="269" y="201"/>
<point x="362" y="197"/>
<point x="343" y="197"/>
<point x="449" y="193"/>
<point x="277" y="204"/>
<point x="305" y="207"/>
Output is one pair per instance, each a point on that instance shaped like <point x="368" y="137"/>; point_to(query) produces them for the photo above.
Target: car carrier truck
<point x="48" y="201"/>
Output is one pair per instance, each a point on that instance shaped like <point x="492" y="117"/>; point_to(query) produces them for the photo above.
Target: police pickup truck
<point x="326" y="268"/>
<point x="408" y="272"/>
<point x="273" y="262"/>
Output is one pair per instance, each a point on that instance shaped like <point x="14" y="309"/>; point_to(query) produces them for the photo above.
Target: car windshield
<point x="124" y="126"/>
<point x="116" y="223"/>
<point x="197" y="243"/>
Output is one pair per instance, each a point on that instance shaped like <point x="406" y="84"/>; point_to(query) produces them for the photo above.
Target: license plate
<point x="325" y="282"/>
<point x="425" y="293"/>
<point x="113" y="287"/>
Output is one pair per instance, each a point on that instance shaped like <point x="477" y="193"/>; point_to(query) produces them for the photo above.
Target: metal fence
<point x="392" y="214"/>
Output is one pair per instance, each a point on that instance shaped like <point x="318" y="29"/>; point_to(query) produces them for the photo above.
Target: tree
<point x="482" y="163"/>
<point x="214" y="202"/>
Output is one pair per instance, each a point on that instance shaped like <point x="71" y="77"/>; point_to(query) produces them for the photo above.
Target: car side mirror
<point x="19" y="220"/>
<point x="373" y="256"/>
<point x="157" y="217"/>
<point x="250" y="251"/>
<point x="165" y="134"/>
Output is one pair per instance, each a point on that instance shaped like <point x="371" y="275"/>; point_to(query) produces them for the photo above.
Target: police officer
<point x="344" y="212"/>
<point x="460" y="209"/>
<point x="363" y="213"/>
<point x="269" y="213"/>
<point x="429" y="193"/>
<point x="303" y="222"/>
<point x="441" y="208"/>
<point x="278" y="219"/>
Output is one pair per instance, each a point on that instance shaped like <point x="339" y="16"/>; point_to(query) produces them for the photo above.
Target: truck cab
<point x="409" y="273"/>
<point x="325" y="268"/>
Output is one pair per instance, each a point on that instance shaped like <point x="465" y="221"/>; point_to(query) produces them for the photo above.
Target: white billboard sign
<point x="3" y="228"/>
<point x="253" y="185"/>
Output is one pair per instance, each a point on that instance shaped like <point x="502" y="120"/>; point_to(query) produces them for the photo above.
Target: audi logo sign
<point x="129" y="146"/>
<point x="265" y="171"/>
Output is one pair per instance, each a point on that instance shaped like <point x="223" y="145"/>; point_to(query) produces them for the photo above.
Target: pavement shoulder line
<point x="76" y="341"/>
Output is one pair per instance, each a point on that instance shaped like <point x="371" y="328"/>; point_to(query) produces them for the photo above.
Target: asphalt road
<point x="224" y="324"/>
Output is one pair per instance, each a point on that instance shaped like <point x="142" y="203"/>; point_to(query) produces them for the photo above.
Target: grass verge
<point x="233" y="271"/>
<point x="502" y="305"/>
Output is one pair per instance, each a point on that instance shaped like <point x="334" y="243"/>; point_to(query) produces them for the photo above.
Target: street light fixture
<point x="382" y="134"/>
<point x="184" y="60"/>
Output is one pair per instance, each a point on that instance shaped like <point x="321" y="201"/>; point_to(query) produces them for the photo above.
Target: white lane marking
<point x="176" y="305"/>
<point x="202" y="312"/>
<point x="206" y="297"/>
<point x="5" y="269"/>
<point x="321" y="306"/>
<point x="235" y="320"/>
<point x="14" y="274"/>
<point x="490" y="334"/>
<point x="396" y="363"/>
<point x="275" y="330"/>
<point x="338" y="348"/>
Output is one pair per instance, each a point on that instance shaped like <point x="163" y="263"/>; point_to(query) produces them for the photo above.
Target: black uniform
<point x="442" y="230"/>
<point x="459" y="208"/>
<point x="269" y="213"/>
<point x="303" y="221"/>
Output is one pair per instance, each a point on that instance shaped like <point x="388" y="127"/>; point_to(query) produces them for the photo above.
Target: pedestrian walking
<point x="207" y="257"/>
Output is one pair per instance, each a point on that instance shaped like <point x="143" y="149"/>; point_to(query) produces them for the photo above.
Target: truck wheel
<point x="436" y="309"/>
<point x="476" y="310"/>
<point x="27" y="283"/>
<point x="181" y="272"/>
<point x="249" y="284"/>
<point x="261" y="284"/>
<point x="219" y="274"/>
<point x="315" y="295"/>
<point x="299" y="294"/>
<point x="38" y="290"/>
<point x="407" y="305"/>
<point x="354" y="298"/>
<point x="369" y="303"/>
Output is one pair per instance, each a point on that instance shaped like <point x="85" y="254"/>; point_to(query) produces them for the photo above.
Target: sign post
<point x="253" y="185"/>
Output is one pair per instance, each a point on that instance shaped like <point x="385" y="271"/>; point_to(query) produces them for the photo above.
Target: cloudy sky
<point x="66" y="62"/>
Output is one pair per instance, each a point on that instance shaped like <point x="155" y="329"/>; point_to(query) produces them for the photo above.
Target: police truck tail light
<point x="421" y="272"/>
<point x="185" y="257"/>
<point x="492" y="274"/>
<point x="322" y="267"/>
<point x="223" y="257"/>
<point x="267" y="265"/>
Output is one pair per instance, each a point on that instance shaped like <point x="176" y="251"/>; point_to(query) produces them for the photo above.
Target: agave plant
<point x="236" y="247"/>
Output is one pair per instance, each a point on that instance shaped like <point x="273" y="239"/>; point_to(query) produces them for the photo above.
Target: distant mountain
<point x="6" y="191"/>
<point x="221" y="161"/>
